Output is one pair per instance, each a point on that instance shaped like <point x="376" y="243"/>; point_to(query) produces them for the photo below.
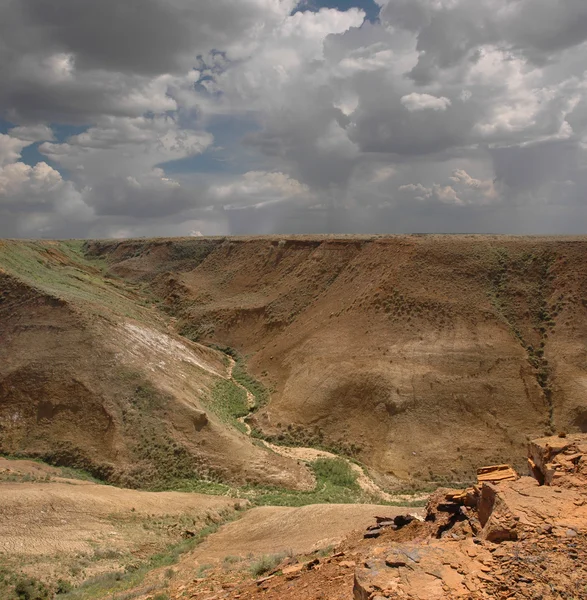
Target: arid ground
<point x="201" y="410"/>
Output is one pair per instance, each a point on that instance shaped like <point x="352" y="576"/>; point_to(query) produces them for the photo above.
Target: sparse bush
<point x="265" y="564"/>
<point x="202" y="570"/>
<point x="32" y="589"/>
<point x="336" y="471"/>
<point x="106" y="554"/>
<point x="63" y="586"/>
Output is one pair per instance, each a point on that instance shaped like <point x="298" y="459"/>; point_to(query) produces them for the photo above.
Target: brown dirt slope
<point x="91" y="376"/>
<point x="422" y="355"/>
<point x="512" y="539"/>
<point x="54" y="527"/>
<point x="269" y="530"/>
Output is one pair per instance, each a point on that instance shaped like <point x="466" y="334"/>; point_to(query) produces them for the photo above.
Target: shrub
<point x="63" y="587"/>
<point x="31" y="589"/>
<point x="265" y="564"/>
<point x="336" y="471"/>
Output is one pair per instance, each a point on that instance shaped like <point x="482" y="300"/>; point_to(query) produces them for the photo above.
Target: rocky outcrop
<point x="522" y="538"/>
<point x="559" y="460"/>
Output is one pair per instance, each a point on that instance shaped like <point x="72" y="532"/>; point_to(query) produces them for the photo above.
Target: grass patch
<point x="304" y="437"/>
<point x="335" y="484"/>
<point x="254" y="386"/>
<point x="229" y="402"/>
<point x="65" y="472"/>
<point x="241" y="375"/>
<point x="335" y="471"/>
<point x="80" y="474"/>
<point x="199" y="486"/>
<point x="266" y="563"/>
<point x="62" y="270"/>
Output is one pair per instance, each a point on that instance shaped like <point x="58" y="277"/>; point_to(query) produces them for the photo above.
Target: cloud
<point x="462" y="190"/>
<point x="149" y="195"/>
<point x="257" y="189"/>
<point x="415" y="102"/>
<point x="116" y="162"/>
<point x="22" y="183"/>
<point x="10" y="148"/>
<point x="32" y="133"/>
<point x="34" y="199"/>
<point x="243" y="116"/>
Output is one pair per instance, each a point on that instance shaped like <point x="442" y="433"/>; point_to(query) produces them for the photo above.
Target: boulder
<point x="559" y="461"/>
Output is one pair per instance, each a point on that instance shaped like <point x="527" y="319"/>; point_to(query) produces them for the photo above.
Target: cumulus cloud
<point x="463" y="113"/>
<point x="35" y="199"/>
<point x="462" y="189"/>
<point x="32" y="133"/>
<point x="416" y="102"/>
<point x="10" y="148"/>
<point x="257" y="189"/>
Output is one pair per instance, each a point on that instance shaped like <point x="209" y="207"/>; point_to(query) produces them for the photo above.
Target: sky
<point x="229" y="117"/>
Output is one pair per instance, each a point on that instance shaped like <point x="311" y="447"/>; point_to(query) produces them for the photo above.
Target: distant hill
<point x="420" y="356"/>
<point x="423" y="356"/>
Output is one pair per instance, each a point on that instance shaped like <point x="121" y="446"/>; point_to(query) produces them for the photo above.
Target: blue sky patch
<point x="30" y="155"/>
<point x="227" y="153"/>
<point x="369" y="6"/>
<point x="62" y="132"/>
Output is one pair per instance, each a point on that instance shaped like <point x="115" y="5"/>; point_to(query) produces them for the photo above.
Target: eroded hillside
<point x="92" y="376"/>
<point x="422" y="356"/>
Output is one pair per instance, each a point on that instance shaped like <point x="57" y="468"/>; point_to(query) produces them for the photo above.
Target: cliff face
<point x="422" y="355"/>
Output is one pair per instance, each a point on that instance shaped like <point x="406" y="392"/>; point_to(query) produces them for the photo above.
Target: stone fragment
<point x="293" y="569"/>
<point x="373" y="533"/>
<point x="396" y="560"/>
<point x="495" y="474"/>
<point x="264" y="580"/>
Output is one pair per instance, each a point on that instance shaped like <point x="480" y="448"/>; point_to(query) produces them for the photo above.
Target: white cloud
<point x="416" y="102"/>
<point x="17" y="180"/>
<point x="117" y="162"/>
<point x="35" y="199"/>
<point x="32" y="133"/>
<point x="257" y="189"/>
<point x="463" y="190"/>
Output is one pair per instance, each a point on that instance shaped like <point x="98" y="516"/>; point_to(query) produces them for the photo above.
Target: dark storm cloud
<point x="111" y="48"/>
<point x="529" y="168"/>
<point x="148" y="198"/>
<point x="137" y="36"/>
<point x="448" y="31"/>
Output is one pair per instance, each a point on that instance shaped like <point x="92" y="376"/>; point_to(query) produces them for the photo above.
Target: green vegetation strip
<point x="61" y="269"/>
<point x="336" y="483"/>
<point x="229" y="402"/>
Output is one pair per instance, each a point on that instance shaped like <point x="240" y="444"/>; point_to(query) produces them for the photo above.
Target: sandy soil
<point x="67" y="516"/>
<point x="277" y="529"/>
